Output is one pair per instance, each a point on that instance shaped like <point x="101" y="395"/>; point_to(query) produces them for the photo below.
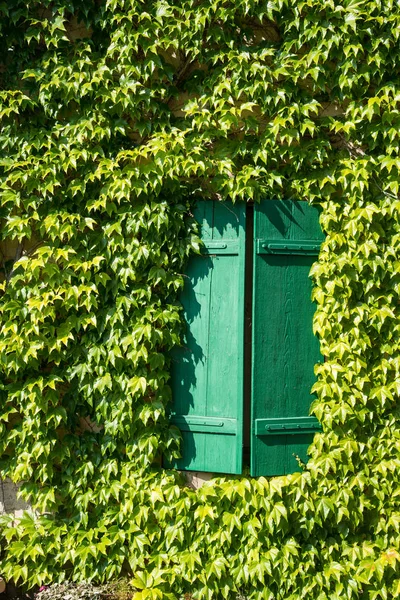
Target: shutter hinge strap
<point x="220" y="247"/>
<point x="287" y="426"/>
<point x="299" y="247"/>
<point x="205" y="424"/>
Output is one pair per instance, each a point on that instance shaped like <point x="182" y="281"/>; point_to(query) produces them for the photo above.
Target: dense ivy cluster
<point x="115" y="116"/>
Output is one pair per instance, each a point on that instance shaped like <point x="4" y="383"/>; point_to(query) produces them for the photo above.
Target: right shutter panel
<point x="207" y="372"/>
<point x="287" y="237"/>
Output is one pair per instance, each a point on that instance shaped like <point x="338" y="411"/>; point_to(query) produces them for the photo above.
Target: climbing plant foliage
<point x="116" y="115"/>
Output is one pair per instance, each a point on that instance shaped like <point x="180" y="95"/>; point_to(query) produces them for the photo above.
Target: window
<point x="241" y="382"/>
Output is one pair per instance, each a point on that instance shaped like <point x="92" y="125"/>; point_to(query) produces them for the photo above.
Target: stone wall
<point x="9" y="501"/>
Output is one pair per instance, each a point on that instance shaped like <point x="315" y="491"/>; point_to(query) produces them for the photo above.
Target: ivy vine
<point x="115" y="117"/>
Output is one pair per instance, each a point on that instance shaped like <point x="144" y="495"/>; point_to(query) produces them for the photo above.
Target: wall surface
<point x="9" y="501"/>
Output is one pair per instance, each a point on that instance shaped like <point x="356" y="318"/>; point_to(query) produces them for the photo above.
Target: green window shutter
<point x="207" y="372"/>
<point x="287" y="237"/>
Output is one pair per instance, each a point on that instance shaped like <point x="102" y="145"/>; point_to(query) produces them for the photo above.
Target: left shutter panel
<point x="207" y="372"/>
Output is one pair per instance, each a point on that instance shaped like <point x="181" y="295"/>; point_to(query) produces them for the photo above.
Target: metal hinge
<point x="299" y="247"/>
<point x="220" y="247"/>
<point x="205" y="424"/>
<point x="287" y="426"/>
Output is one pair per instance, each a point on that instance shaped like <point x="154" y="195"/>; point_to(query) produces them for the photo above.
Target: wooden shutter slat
<point x="287" y="238"/>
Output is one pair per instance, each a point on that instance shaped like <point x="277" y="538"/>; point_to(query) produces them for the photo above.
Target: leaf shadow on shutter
<point x="191" y="353"/>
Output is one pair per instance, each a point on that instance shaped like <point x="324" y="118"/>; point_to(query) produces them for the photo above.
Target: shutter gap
<point x="248" y="324"/>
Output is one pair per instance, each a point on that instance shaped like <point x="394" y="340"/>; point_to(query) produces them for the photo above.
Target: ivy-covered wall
<point x="115" y="117"/>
